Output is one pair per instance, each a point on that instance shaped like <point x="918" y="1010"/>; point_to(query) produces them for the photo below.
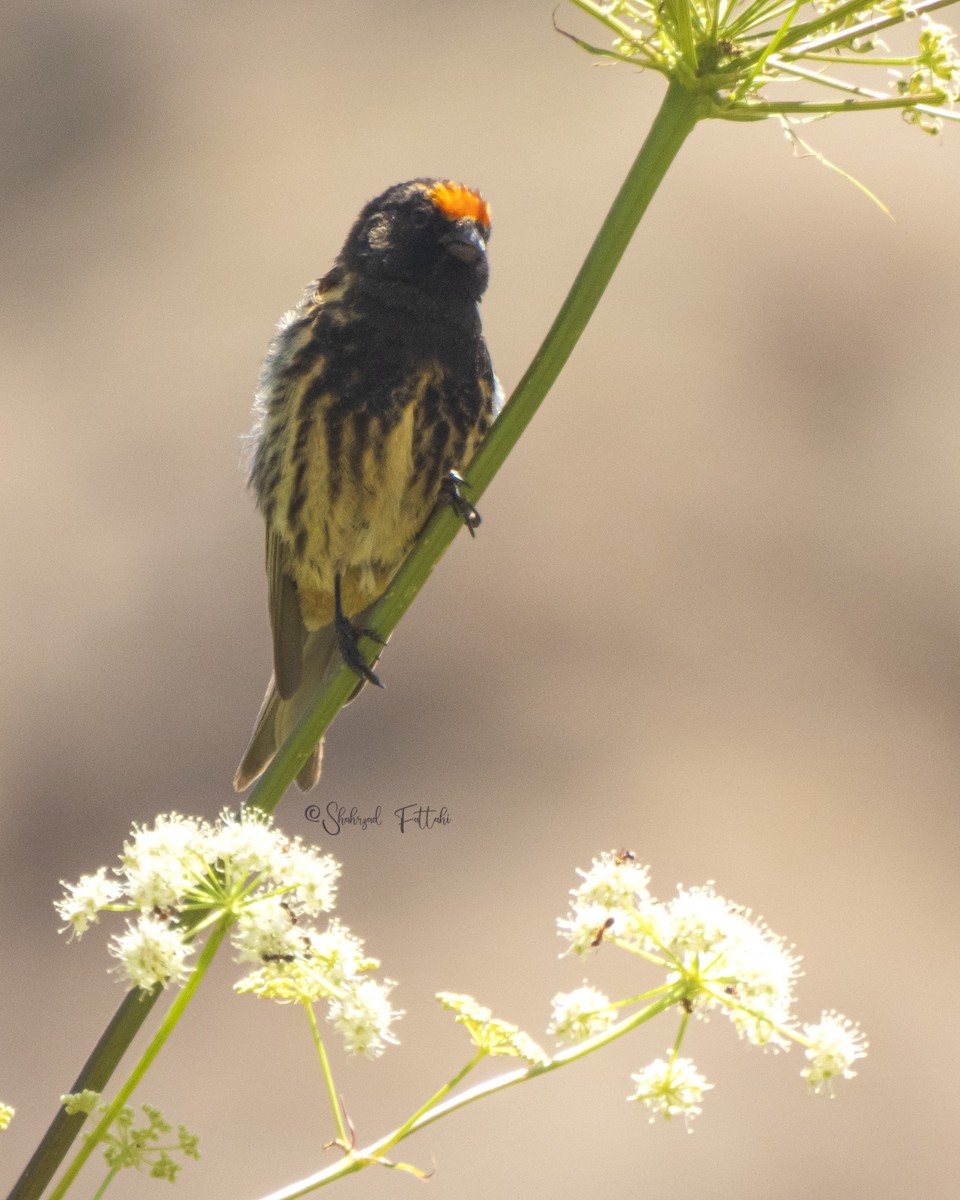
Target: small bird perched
<point x="374" y="393"/>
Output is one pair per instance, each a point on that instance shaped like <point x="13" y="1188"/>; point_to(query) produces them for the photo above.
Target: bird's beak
<point x="465" y="241"/>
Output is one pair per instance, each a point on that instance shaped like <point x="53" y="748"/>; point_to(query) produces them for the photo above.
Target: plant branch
<point x="343" y="1134"/>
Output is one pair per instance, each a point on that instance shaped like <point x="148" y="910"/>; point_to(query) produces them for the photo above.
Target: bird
<point x="373" y="396"/>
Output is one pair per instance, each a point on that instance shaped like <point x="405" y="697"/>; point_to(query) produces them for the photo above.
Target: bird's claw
<point x="348" y="638"/>
<point x="450" y="494"/>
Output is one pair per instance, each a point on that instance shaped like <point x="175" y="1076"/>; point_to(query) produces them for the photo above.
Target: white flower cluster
<point x="716" y="956"/>
<point x="670" y="1087"/>
<point x="833" y="1045"/>
<point x="182" y="875"/>
<point x="737" y="964"/>
<point x="580" y="1014"/>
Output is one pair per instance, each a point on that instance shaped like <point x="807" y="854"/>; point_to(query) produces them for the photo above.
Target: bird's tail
<point x="277" y="717"/>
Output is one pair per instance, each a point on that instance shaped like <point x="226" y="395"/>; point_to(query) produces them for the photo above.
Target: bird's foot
<point x="450" y="494"/>
<point x="348" y="638"/>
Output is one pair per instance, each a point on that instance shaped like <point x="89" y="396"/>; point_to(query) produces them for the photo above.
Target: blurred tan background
<point x="713" y="613"/>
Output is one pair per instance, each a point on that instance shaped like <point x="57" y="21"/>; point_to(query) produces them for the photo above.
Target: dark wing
<point x="285" y="620"/>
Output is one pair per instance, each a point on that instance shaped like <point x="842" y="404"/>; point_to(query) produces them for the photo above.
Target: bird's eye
<point x="420" y="217"/>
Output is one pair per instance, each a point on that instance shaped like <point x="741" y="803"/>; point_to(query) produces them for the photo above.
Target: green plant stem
<point x="411" y="1123"/>
<point x="678" y="1040"/>
<point x="167" y="1026"/>
<point x="868" y="28"/>
<point x="678" y="114"/>
<point x="802" y="107"/>
<point x="108" y="1179"/>
<point x="343" y="1134"/>
<point x="768" y="49"/>
<point x="618" y="28"/>
<point x="369" y="1154"/>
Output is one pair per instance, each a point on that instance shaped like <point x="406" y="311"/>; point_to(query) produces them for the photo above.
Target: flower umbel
<point x="670" y="1087"/>
<point x="362" y="1014"/>
<point x="238" y="877"/>
<point x="715" y="956"/>
<point x="151" y="951"/>
<point x="834" y="1046"/>
<point x="140" y="1146"/>
<point x="738" y="964"/>
<point x="181" y="875"/>
<point x="580" y="1014"/>
<point x="84" y="900"/>
<point x="732" y="54"/>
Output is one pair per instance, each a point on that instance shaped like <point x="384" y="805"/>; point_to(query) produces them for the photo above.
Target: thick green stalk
<point x="678" y="115"/>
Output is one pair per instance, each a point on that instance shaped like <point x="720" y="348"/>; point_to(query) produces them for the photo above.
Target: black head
<point x="429" y="235"/>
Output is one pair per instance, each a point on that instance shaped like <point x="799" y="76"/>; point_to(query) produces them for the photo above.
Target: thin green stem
<point x="854" y="89"/>
<point x="642" y="996"/>
<point x="723" y="1000"/>
<point x="678" y="1040"/>
<point x="675" y="120"/>
<point x="343" y="1134"/>
<point x="826" y="19"/>
<point x="809" y="108"/>
<point x="681" y="20"/>
<point x="108" y="1179"/>
<point x="866" y="29"/>
<point x="851" y="60"/>
<point x="619" y="28"/>
<point x="167" y="1026"/>
<point x="642" y="54"/>
<point x="768" y="49"/>
<point x="745" y="21"/>
<point x="411" y="1122"/>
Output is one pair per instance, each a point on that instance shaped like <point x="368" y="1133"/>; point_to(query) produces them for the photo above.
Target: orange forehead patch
<point x="456" y="201"/>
